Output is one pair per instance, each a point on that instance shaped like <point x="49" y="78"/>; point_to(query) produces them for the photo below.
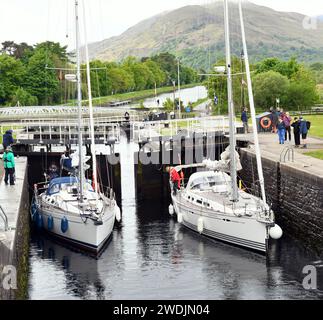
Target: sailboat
<point x="211" y="202"/>
<point x="73" y="208"/>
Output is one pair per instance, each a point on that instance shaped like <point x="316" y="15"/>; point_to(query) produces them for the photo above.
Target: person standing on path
<point x="303" y="131"/>
<point x="7" y="139"/>
<point x="287" y="121"/>
<point x="297" y="133"/>
<point x="281" y="131"/>
<point x="244" y="119"/>
<point x="274" y="120"/>
<point x="9" y="166"/>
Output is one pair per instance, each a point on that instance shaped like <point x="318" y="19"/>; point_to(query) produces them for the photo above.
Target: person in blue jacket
<point x="7" y="139"/>
<point x="244" y="119"/>
<point x="281" y="131"/>
<point x="303" y="131"/>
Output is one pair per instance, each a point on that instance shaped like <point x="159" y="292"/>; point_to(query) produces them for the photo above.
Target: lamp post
<point x="179" y="88"/>
<point x="174" y="89"/>
<point x="242" y="88"/>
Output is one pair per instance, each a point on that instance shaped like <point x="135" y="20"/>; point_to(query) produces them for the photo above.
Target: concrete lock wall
<point x="296" y="197"/>
<point x="14" y="244"/>
<point x="152" y="182"/>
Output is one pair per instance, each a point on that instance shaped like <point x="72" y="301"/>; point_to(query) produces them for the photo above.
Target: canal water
<point x="187" y="95"/>
<point x="151" y="256"/>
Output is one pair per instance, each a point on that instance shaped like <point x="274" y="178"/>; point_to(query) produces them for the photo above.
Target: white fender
<point x="200" y="225"/>
<point x="118" y="213"/>
<point x="180" y="218"/>
<point x="276" y="232"/>
<point x="171" y="210"/>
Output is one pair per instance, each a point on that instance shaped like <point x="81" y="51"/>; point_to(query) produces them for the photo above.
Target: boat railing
<point x="144" y="130"/>
<point x="4" y="217"/>
<point x="108" y="191"/>
<point x="40" y="187"/>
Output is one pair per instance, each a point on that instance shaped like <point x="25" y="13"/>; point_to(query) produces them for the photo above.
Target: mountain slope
<point x="196" y="34"/>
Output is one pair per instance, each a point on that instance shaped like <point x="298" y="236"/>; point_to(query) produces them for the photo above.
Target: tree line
<point x="34" y="75"/>
<point x="290" y="84"/>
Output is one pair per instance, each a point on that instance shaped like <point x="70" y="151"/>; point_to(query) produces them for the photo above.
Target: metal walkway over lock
<point x="49" y="126"/>
<point x="13" y="114"/>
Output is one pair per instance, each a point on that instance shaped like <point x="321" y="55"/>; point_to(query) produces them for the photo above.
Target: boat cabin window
<point x="206" y="183"/>
<point x="54" y="189"/>
<point x="216" y="181"/>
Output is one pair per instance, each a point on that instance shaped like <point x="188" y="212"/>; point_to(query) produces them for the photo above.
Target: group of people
<point x="8" y="158"/>
<point x="282" y="123"/>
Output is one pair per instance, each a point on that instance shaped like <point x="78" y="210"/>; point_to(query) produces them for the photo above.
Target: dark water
<point x="151" y="256"/>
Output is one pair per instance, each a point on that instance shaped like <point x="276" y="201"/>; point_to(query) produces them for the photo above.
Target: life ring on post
<point x="265" y="123"/>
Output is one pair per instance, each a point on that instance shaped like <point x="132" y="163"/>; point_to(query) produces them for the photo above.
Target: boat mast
<point x="233" y="160"/>
<point x="88" y="75"/>
<point x="179" y="89"/>
<point x="79" y="100"/>
<point x="252" y="107"/>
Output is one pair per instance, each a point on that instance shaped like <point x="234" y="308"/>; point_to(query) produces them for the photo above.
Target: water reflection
<point x="77" y="274"/>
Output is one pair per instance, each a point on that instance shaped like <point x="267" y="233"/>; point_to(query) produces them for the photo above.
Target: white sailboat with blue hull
<point x="73" y="208"/>
<point x="211" y="202"/>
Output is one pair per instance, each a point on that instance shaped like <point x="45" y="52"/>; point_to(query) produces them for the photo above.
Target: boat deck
<point x="246" y="200"/>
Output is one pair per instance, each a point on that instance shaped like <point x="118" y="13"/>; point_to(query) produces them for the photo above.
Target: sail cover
<point x="224" y="163"/>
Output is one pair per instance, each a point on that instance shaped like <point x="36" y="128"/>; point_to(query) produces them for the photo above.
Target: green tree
<point x="169" y="105"/>
<point x="15" y="50"/>
<point x="302" y="92"/>
<point x="12" y="73"/>
<point x="40" y="80"/>
<point x="188" y="75"/>
<point x="159" y="76"/>
<point x="286" y="68"/>
<point x="24" y="98"/>
<point x="54" y="51"/>
<point x="168" y="63"/>
<point x="120" y="80"/>
<point x="269" y="86"/>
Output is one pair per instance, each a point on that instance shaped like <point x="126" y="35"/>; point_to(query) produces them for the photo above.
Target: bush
<point x="24" y="98"/>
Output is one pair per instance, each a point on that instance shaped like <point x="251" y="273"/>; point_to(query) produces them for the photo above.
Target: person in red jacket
<point x="175" y="179"/>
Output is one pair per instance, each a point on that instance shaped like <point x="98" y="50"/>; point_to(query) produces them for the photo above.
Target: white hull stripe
<point x="239" y="241"/>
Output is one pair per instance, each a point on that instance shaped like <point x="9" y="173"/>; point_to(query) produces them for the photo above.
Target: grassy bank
<point x="135" y="96"/>
<point x="198" y="102"/>
<point x="316" y="125"/>
<point x="316" y="154"/>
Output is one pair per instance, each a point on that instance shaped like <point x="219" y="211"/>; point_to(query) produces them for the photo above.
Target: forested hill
<point x="196" y="34"/>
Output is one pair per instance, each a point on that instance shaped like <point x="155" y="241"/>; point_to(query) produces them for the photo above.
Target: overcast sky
<point x="34" y="21"/>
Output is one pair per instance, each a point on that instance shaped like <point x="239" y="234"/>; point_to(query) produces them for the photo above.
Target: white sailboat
<point x="211" y="202"/>
<point x="73" y="208"/>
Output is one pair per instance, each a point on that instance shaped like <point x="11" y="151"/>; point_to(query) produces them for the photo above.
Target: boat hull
<point x="245" y="232"/>
<point x="81" y="233"/>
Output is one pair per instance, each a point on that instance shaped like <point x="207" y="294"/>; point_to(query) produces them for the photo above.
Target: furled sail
<point x="224" y="163"/>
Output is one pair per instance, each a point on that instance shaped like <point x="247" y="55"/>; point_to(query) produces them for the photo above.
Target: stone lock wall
<point x="296" y="197"/>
